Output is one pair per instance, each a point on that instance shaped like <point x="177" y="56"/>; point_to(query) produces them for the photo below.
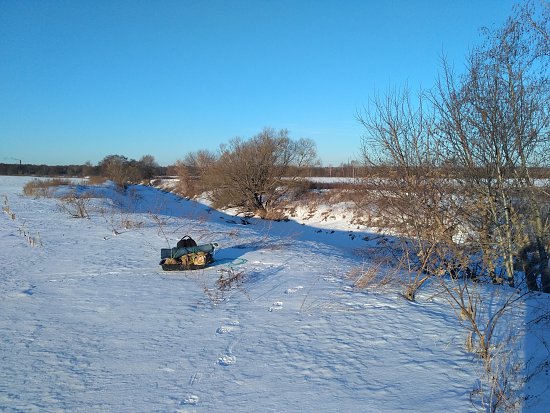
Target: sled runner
<point x="187" y="255"/>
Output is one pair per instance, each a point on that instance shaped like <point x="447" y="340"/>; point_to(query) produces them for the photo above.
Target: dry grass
<point x="95" y="180"/>
<point x="75" y="204"/>
<point x="376" y="275"/>
<point x="228" y="278"/>
<point x="43" y="187"/>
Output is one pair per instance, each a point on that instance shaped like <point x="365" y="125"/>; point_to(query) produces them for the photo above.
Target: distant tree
<point x="116" y="168"/>
<point x="253" y="175"/>
<point x="89" y="170"/>
<point x="191" y="171"/>
<point x="123" y="171"/>
<point x="147" y="166"/>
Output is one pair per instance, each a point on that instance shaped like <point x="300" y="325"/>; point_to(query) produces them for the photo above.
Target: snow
<point x="90" y="322"/>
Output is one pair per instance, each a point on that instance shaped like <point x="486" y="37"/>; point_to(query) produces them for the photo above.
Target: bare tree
<point x="191" y="171"/>
<point x="123" y="171"/>
<point x="115" y="168"/>
<point x="495" y="122"/>
<point x="147" y="166"/>
<point x="252" y="175"/>
<point x="457" y="181"/>
<point x="411" y="197"/>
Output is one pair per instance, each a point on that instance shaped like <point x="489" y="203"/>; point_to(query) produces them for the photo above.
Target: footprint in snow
<point x="225" y="329"/>
<point x="191" y="399"/>
<point x="230" y="327"/>
<point x="293" y="290"/>
<point x="227" y="360"/>
<point x="277" y="305"/>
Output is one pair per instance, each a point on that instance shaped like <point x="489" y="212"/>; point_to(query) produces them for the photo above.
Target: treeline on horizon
<point x="148" y="169"/>
<point x="75" y="171"/>
<point x="153" y="170"/>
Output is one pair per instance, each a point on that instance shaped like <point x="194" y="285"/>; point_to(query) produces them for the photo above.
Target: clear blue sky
<point x="80" y="80"/>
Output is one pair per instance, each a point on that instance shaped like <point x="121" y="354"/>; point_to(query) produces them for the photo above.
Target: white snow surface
<point x="90" y="322"/>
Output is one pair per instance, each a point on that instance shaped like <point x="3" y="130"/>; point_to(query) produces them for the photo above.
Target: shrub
<point x="95" y="180"/>
<point x="43" y="187"/>
<point x="75" y="204"/>
<point x="255" y="175"/>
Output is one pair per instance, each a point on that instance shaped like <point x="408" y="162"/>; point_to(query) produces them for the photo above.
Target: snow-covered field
<point x="90" y="323"/>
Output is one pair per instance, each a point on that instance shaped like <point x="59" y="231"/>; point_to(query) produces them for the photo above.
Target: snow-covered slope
<point x="89" y="321"/>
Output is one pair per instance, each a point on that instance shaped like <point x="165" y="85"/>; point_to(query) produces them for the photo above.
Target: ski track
<point x="90" y="323"/>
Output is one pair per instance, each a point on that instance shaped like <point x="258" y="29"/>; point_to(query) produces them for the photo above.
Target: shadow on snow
<point x="258" y="233"/>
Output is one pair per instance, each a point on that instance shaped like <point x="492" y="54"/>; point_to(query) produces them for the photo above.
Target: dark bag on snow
<point x="187" y="255"/>
<point x="186" y="242"/>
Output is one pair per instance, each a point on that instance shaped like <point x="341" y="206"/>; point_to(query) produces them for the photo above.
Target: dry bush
<point x="187" y="183"/>
<point x="43" y="187"/>
<point x="95" y="180"/>
<point x="75" y="204"/>
<point x="364" y="277"/>
<point x="120" y="217"/>
<point x="277" y="214"/>
<point x="253" y="175"/>
<point x="502" y="378"/>
<point x="6" y="208"/>
<point x="131" y="224"/>
<point x="380" y="271"/>
<point x="228" y="278"/>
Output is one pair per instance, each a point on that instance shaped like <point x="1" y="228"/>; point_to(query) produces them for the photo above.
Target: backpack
<point x="186" y="242"/>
